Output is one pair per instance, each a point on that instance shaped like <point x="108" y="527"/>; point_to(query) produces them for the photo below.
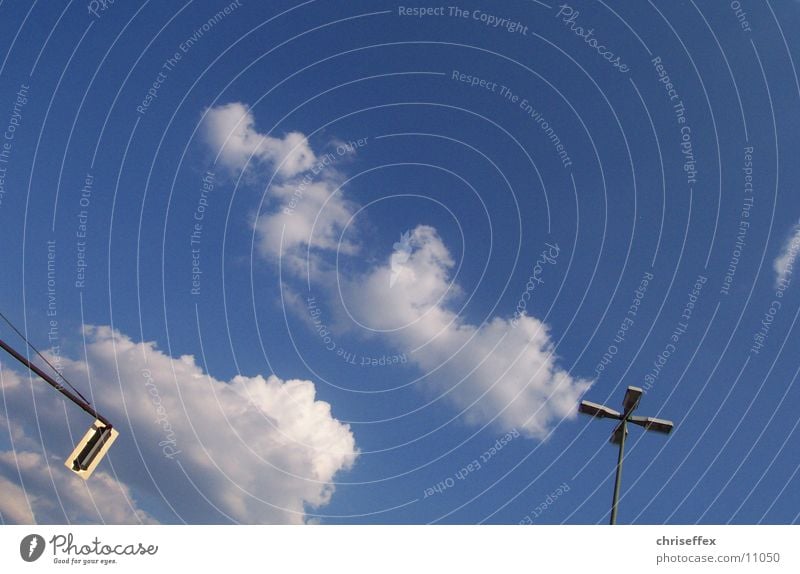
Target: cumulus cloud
<point x="784" y="263"/>
<point x="38" y="488"/>
<point x="230" y="131"/>
<point x="197" y="449"/>
<point x="503" y="371"/>
<point x="52" y="494"/>
<point x="15" y="507"/>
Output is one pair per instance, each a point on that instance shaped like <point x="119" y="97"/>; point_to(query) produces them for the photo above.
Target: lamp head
<point x="596" y="410"/>
<point x="653" y="424"/>
<point x="632" y="397"/>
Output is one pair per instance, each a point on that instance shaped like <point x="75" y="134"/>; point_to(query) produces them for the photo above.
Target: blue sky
<point x="367" y="223"/>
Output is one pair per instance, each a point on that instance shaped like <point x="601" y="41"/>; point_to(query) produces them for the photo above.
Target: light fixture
<point x="632" y="397"/>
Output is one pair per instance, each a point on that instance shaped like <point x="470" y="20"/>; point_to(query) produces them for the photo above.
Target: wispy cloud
<point x="503" y="370"/>
<point x="305" y="209"/>
<point x="231" y="133"/>
<point x="497" y="371"/>
<point x="303" y="218"/>
<point x="784" y="262"/>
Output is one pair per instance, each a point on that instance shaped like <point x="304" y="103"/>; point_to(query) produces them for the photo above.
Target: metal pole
<point x="75" y="399"/>
<point x="618" y="480"/>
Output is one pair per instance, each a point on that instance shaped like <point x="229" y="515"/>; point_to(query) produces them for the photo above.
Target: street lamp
<point x="632" y="397"/>
<point x="98" y="439"/>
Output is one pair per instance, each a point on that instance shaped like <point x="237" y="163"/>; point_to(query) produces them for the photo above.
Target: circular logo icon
<point x="31" y="547"/>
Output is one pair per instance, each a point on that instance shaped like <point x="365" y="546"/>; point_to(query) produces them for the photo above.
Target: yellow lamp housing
<point x="91" y="449"/>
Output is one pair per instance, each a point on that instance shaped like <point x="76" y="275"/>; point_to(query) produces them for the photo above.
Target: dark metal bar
<point x="53" y="383"/>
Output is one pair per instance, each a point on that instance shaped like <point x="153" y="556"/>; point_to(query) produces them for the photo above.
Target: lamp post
<point x="632" y="397"/>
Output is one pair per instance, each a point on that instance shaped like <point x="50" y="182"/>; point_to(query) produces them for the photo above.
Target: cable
<point x="63" y="378"/>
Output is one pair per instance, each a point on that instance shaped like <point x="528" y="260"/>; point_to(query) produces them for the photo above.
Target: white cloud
<point x="254" y="449"/>
<point x="503" y="371"/>
<point x="230" y="131"/>
<point x="15" y="508"/>
<point x="496" y="371"/>
<point x="307" y="216"/>
<point x="53" y="495"/>
<point x="305" y="207"/>
<point x="784" y="263"/>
